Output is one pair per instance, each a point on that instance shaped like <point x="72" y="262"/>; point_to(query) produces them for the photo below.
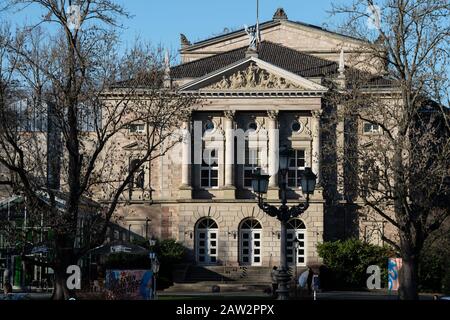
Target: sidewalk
<point x="26" y="296"/>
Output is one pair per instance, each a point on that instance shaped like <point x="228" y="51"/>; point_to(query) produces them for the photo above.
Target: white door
<point x="296" y="237"/>
<point x="206" y="245"/>
<point x="250" y="247"/>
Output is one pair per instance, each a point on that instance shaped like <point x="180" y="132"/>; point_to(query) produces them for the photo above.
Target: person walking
<point x="7" y="290"/>
<point x="273" y="275"/>
<point x="310" y="280"/>
<point x="6" y="275"/>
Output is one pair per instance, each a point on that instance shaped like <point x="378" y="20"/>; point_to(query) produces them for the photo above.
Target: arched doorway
<point x="250" y="234"/>
<point x="296" y="231"/>
<point x="206" y="241"/>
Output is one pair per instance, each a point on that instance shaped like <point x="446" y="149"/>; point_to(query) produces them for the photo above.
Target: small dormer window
<point x="371" y="128"/>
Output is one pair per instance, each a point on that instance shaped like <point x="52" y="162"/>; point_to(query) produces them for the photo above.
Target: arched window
<point x="296" y="242"/>
<point x="250" y="234"/>
<point x="206" y="241"/>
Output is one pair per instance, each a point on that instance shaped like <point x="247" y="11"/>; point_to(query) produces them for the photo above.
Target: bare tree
<point x="401" y="171"/>
<point x="91" y="95"/>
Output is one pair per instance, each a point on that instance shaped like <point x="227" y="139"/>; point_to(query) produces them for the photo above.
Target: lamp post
<point x="260" y="183"/>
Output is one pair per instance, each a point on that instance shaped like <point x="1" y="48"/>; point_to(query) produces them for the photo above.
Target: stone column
<point x="274" y="146"/>
<point x="316" y="147"/>
<point x="229" y="190"/>
<point x="186" y="186"/>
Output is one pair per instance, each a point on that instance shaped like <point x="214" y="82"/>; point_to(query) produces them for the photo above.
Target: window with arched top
<point x="296" y="242"/>
<point x="251" y="224"/>
<point x="296" y="224"/>
<point x="207" y="223"/>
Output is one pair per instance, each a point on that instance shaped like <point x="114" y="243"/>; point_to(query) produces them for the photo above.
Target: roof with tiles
<point x="291" y="60"/>
<point x="294" y="61"/>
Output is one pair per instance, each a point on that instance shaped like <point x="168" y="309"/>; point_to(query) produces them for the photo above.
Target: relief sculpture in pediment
<point x="253" y="78"/>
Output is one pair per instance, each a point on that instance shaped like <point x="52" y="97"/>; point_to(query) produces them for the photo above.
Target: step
<point x="224" y="287"/>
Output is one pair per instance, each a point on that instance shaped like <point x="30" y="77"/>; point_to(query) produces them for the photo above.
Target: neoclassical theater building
<point x="253" y="103"/>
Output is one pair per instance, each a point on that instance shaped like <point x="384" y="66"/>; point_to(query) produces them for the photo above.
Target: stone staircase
<point x="227" y="278"/>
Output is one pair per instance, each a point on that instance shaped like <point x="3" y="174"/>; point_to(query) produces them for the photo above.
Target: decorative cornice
<point x="252" y="93"/>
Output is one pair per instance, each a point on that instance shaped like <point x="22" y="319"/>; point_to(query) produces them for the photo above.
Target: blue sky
<point x="161" y="22"/>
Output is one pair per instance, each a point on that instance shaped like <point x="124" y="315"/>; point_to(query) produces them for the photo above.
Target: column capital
<point x="230" y="114"/>
<point x="273" y="114"/>
<point x="317" y="113"/>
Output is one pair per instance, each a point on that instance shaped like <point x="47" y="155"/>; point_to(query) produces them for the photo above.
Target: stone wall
<point x="229" y="217"/>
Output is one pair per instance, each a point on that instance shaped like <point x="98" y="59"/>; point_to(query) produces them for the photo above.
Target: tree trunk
<point x="60" y="291"/>
<point x="409" y="278"/>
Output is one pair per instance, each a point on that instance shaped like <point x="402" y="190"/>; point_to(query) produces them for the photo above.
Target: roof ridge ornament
<point x="280" y="14"/>
<point x="184" y="41"/>
<point x="252" y="33"/>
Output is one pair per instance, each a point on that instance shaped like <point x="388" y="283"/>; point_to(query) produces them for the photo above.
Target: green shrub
<point x="346" y="263"/>
<point x="434" y="266"/>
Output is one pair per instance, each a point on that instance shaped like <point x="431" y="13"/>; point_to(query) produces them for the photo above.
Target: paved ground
<point x="332" y="295"/>
<point x="27" y="296"/>
<point x="350" y="295"/>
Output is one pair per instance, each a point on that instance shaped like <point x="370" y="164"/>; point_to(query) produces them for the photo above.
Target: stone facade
<point x="284" y="108"/>
<point x="273" y="101"/>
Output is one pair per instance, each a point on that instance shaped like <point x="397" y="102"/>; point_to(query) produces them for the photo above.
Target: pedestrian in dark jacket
<point x="7" y="288"/>
<point x="310" y="280"/>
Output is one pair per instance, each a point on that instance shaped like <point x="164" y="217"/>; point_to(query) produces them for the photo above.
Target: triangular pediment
<point x="252" y="74"/>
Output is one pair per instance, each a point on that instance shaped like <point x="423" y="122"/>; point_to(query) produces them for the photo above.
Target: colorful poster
<point x="394" y="266"/>
<point x="129" y="284"/>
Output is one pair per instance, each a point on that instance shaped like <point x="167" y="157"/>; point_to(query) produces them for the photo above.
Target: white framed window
<point x="252" y="161"/>
<point x="136" y="128"/>
<point x="209" y="173"/>
<point x="296" y="169"/>
<point x="371" y="128"/>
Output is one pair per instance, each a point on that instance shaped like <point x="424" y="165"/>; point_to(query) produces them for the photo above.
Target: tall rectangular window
<point x="210" y="169"/>
<point x="252" y="161"/>
<point x="138" y="179"/>
<point x="296" y="168"/>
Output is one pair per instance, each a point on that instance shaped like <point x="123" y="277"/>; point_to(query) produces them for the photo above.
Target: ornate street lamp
<point x="260" y="184"/>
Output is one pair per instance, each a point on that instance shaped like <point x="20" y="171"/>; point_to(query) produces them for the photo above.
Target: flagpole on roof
<point x="258" y="35"/>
